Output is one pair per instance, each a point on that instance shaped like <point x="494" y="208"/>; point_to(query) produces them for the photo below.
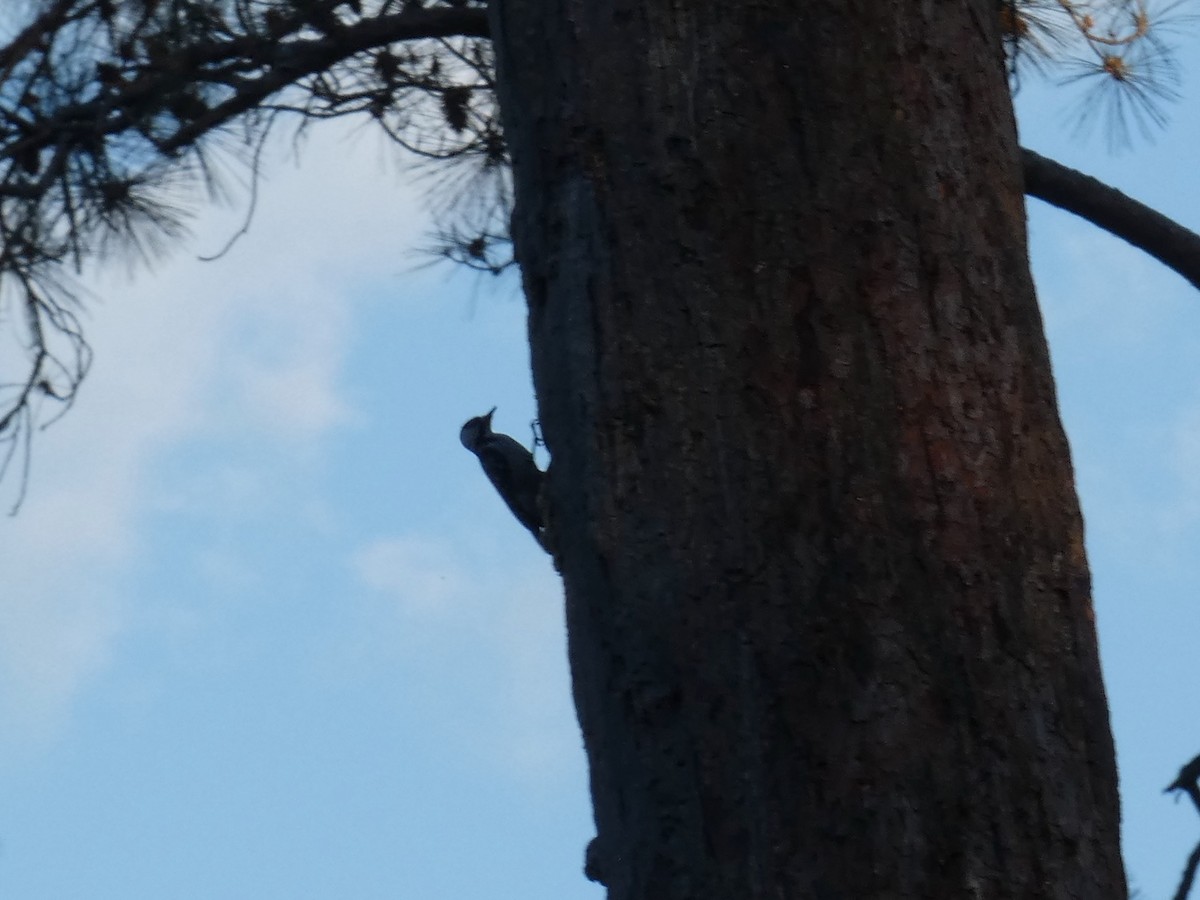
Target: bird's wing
<point x="516" y="478"/>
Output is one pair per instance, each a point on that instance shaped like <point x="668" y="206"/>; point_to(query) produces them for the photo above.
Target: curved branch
<point x="273" y="64"/>
<point x="98" y="112"/>
<point x="1165" y="239"/>
<point x="295" y="60"/>
<point x="1189" y="875"/>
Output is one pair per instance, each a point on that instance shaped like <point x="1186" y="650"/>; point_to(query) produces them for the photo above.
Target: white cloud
<point x="1184" y="457"/>
<point x="286" y="380"/>
<point x="56" y="631"/>
<point x="421" y="576"/>
<point x="506" y="617"/>
<point x="191" y="350"/>
<point x="540" y="737"/>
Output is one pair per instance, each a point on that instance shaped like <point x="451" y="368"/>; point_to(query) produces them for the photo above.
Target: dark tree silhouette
<point x="829" y="611"/>
<point x="112" y="112"/>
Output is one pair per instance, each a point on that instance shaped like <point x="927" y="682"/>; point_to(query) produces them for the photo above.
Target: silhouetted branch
<point x="1163" y="238"/>
<point x="282" y="65"/>
<point x="1189" y="875"/>
<point x="1188" y="781"/>
<point x="110" y="112"/>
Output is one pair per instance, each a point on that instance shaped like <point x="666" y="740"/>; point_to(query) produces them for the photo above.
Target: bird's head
<point x="476" y="429"/>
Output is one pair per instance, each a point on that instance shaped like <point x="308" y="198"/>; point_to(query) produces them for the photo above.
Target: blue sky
<point x="266" y="632"/>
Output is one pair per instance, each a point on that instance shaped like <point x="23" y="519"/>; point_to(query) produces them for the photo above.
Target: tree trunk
<point x="830" y="620"/>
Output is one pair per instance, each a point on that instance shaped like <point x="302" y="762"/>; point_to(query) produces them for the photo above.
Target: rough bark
<point x="830" y="620"/>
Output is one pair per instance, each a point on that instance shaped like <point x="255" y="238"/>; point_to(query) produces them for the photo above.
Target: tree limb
<point x="1166" y="240"/>
<point x="1189" y="875"/>
<point x="100" y="114"/>
<point x="301" y="58"/>
<point x="1186" y="781"/>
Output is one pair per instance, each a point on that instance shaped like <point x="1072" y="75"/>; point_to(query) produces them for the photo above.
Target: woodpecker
<point x="510" y="468"/>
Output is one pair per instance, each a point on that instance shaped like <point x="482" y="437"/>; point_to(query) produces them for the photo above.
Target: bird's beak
<point x="488" y="417"/>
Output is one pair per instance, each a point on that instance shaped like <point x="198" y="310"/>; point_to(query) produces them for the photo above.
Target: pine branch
<point x="1165" y="239"/>
<point x="270" y="66"/>
<point x="104" y="117"/>
<point x="300" y="59"/>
